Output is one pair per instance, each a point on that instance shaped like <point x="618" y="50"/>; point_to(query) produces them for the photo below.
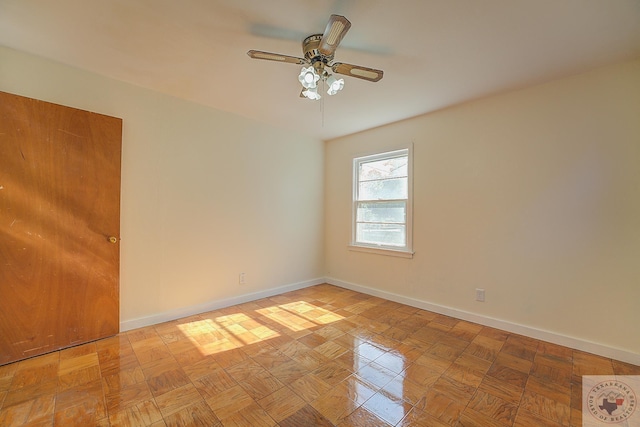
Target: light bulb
<point x="308" y="77"/>
<point x="335" y="85"/>
<point x="312" y="93"/>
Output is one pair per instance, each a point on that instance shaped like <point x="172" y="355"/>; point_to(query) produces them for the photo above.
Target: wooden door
<point x="59" y="226"/>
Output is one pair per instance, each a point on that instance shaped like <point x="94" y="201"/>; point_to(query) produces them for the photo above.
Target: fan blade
<point x="357" y="71"/>
<point x="258" y="54"/>
<point x="337" y="27"/>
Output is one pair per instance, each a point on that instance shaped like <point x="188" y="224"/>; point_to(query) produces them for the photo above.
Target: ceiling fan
<point x="318" y="50"/>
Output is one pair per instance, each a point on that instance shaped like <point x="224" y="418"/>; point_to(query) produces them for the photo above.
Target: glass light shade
<point x="308" y="77"/>
<point x="335" y="85"/>
<point x="312" y="93"/>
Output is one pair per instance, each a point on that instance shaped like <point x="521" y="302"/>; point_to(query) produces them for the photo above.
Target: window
<point x="382" y="202"/>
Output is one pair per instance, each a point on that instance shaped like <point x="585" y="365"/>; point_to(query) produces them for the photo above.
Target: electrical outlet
<point x="479" y="294"/>
<point x="241" y="279"/>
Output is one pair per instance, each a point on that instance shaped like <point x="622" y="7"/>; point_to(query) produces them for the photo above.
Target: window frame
<point x="392" y="250"/>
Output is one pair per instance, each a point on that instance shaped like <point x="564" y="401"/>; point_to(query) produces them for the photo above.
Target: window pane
<point x="395" y="188"/>
<point x="381" y="169"/>
<point x="381" y="200"/>
<point x="384" y="234"/>
<point x="394" y="212"/>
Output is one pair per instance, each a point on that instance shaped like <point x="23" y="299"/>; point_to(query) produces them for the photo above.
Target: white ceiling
<point x="435" y="53"/>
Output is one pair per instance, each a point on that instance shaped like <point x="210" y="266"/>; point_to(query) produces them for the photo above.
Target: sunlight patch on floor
<point x="236" y="330"/>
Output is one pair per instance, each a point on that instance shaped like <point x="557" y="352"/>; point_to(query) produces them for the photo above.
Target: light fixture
<point x="308" y="77"/>
<point x="335" y="85"/>
<point x="312" y="93"/>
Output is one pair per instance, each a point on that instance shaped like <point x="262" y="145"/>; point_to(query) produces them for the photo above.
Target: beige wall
<point x="533" y="195"/>
<point x="205" y="194"/>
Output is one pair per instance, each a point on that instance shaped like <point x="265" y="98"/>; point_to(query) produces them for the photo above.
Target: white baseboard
<point x="552" y="337"/>
<point x="167" y="316"/>
<point x="543" y="335"/>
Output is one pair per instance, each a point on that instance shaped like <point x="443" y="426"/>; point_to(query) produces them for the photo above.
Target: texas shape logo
<point x="611" y="401"/>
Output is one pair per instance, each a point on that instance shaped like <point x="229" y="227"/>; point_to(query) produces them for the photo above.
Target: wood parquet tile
<point x="320" y="356"/>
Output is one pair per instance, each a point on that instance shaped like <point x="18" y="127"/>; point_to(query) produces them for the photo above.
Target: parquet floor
<point x="321" y="356"/>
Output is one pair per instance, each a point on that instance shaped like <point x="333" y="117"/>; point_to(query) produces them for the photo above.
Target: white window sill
<point x="381" y="251"/>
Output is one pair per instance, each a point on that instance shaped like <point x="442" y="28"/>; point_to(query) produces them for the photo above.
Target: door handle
<point x="113" y="239"/>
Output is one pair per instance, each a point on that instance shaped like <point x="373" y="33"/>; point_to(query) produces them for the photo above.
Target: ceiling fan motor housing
<point x="310" y="48"/>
